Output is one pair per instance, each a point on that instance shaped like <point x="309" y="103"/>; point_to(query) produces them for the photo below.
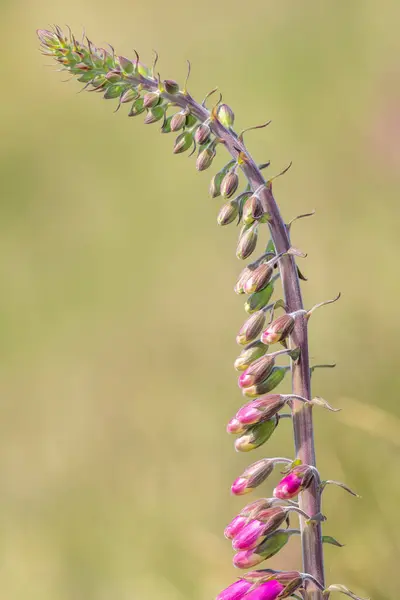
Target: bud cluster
<point x="256" y="532"/>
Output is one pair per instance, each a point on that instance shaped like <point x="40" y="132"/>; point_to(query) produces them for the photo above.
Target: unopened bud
<point x="269" y="590"/>
<point x="252" y="477"/>
<point x="239" y="285"/>
<point x="170" y="86"/>
<point x="205" y="158"/>
<point x="266" y="386"/>
<point x="247" y="241"/>
<point x="279" y="329"/>
<point x="252" y="534"/>
<point x="225" y="115"/>
<point x="229" y="184"/>
<point x="259" y="278"/>
<point x="236" y="591"/>
<point x="128" y="96"/>
<point x="126" y="64"/>
<point x="258" y="371"/>
<point x="260" y="409"/>
<point x="215" y="185"/>
<point x="298" y="479"/>
<point x="202" y="133"/>
<point x="259" y="300"/>
<point x="154" y="114"/>
<point x="137" y="108"/>
<point x="249" y="355"/>
<point x="268" y="548"/>
<point x="178" y="121"/>
<point x="252" y="328"/>
<point x="252" y="210"/>
<point x="256" y="435"/>
<point x="151" y="99"/>
<point x="113" y="76"/>
<point x="235" y="526"/>
<point x="183" y="142"/>
<point x="228" y="212"/>
<point x="48" y="38"/>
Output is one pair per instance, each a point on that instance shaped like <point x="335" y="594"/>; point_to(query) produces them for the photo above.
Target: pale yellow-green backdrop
<point x="118" y="317"/>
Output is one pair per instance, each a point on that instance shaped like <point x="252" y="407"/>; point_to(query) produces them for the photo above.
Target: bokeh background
<point x="118" y="318"/>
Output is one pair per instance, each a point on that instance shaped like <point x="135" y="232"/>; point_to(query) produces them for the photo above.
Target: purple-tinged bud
<point x="259" y="278"/>
<point x="258" y="371"/>
<point x="225" y="115"/>
<point x="235" y="427"/>
<point x="268" y="548"/>
<point x="170" y="86"/>
<point x="269" y="590"/>
<point x="239" y="285"/>
<point x="255" y="507"/>
<point x="235" y="526"/>
<point x="259" y="300"/>
<point x="183" y="142"/>
<point x="250" y="536"/>
<point x="205" y="158"/>
<point x="247" y="241"/>
<point x="258" y="410"/>
<point x="151" y="99"/>
<point x="229" y="184"/>
<point x="279" y="329"/>
<point x="228" y="212"/>
<point x="202" y="134"/>
<point x="298" y="479"/>
<point x="128" y="96"/>
<point x="178" y="120"/>
<point x="235" y="591"/>
<point x="154" y="114"/>
<point x="249" y="355"/>
<point x="256" y="436"/>
<point x="48" y="38"/>
<point x="252" y="210"/>
<point x="125" y="64"/>
<point x="215" y="185"/>
<point x="266" y="386"/>
<point x="252" y="477"/>
<point x="137" y="108"/>
<point x="113" y="76"/>
<point x="252" y="328"/>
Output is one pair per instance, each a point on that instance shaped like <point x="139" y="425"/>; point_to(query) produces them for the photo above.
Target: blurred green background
<point x="118" y="318"/>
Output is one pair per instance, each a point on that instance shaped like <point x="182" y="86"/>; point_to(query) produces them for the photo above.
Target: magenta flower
<point x="294" y="482"/>
<point x="269" y="590"/>
<point x="249" y="536"/>
<point x="235" y="591"/>
<point x="235" y="526"/>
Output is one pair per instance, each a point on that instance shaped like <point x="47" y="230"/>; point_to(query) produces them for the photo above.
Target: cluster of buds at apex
<point x="225" y="115"/>
<point x="256" y="435"/>
<point x="270" y="383"/>
<point x="270" y="546"/>
<point x="247" y="241"/>
<point x="230" y="183"/>
<point x="298" y="479"/>
<point x="249" y="354"/>
<point x="260" y="369"/>
<point x="255" y="475"/>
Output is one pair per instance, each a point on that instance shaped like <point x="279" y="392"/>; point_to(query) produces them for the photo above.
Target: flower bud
<point x="112" y="76"/>
<point x="249" y="355"/>
<point x="247" y="241"/>
<point x="235" y="427"/>
<point x="170" y="86"/>
<point x="128" y="96"/>
<point x="235" y="591"/>
<point x="178" y="121"/>
<point x="229" y="184"/>
<point x="268" y="548"/>
<point x="151" y="99"/>
<point x="215" y="185"/>
<point x="205" y="158"/>
<point x="228" y="213"/>
<point x="259" y="278"/>
<point x="225" y="115"/>
<point x="252" y="210"/>
<point x="266" y="386"/>
<point x="252" y="534"/>
<point x="202" y="133"/>
<point x="279" y="329"/>
<point x="154" y="115"/>
<point x="126" y="64"/>
<point x="256" y="435"/>
<point x="239" y="289"/>
<point x="235" y="526"/>
<point x="269" y="590"/>
<point x="183" y="142"/>
<point x="260" y="299"/>
<point x="48" y="38"/>
<point x="255" y="507"/>
<point x="298" y="479"/>
<point x="260" y="409"/>
<point x="137" y="108"/>
<point x="252" y="328"/>
<point x="252" y="477"/>
<point x="258" y="371"/>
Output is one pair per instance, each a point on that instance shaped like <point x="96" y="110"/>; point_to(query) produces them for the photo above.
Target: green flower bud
<point x="253" y="210"/>
<point x="128" y="96"/>
<point x="151" y="99"/>
<point x="183" y="142"/>
<point x="228" y="212"/>
<point x="154" y="115"/>
<point x="252" y="328"/>
<point x="137" y="108"/>
<point x="170" y="86"/>
<point x="191" y="120"/>
<point x="257" y="435"/>
<point x="260" y="299"/>
<point x="113" y="91"/>
<point x="125" y="64"/>
<point x="205" y="158"/>
<point x="247" y="241"/>
<point x="229" y="184"/>
<point x="178" y="120"/>
<point x="215" y="185"/>
<point x="249" y="355"/>
<point x="266" y="386"/>
<point x="225" y="115"/>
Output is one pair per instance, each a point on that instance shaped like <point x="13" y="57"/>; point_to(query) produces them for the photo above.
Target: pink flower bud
<point x="235" y="591"/>
<point x="249" y="536"/>
<point x="253" y="476"/>
<point x="247" y="558"/>
<point x="234" y="426"/>
<point x="278" y="330"/>
<point x="235" y="526"/>
<point x="260" y="409"/>
<point x="258" y="371"/>
<point x="269" y="590"/>
<point x="294" y="482"/>
<point x="239" y="486"/>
